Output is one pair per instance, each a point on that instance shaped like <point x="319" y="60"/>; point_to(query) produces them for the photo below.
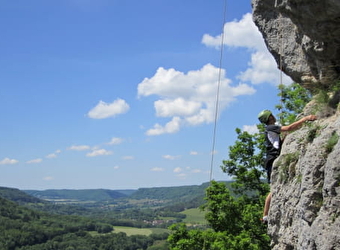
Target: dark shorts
<point x="268" y="164"/>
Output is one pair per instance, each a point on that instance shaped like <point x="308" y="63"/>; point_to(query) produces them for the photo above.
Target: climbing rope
<point x="280" y="43"/>
<point x="218" y="91"/>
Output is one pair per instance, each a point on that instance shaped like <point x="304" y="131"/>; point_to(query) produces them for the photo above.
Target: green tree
<point x="294" y="98"/>
<point x="245" y="163"/>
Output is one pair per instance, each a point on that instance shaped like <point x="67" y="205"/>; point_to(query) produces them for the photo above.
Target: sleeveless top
<point x="273" y="141"/>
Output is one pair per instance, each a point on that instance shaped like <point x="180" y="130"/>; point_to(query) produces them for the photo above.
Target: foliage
<point x="312" y="133"/>
<point x="331" y="142"/>
<point x="329" y="95"/>
<point x="77" y="195"/>
<point x="245" y="162"/>
<point x="293" y="99"/>
<point x="24" y="229"/>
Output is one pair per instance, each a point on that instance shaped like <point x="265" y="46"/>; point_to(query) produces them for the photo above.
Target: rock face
<point x="305" y="207"/>
<point x="303" y="36"/>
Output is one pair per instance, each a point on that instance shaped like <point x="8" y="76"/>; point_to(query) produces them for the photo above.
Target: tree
<point x="293" y="99"/>
<point x="245" y="163"/>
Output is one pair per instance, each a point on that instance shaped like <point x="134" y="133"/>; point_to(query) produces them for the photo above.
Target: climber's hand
<point x="311" y="118"/>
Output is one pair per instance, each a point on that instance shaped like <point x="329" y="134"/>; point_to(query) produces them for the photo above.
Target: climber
<point x="274" y="142"/>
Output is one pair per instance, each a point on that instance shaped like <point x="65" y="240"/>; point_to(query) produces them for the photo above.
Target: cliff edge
<point x="304" y="38"/>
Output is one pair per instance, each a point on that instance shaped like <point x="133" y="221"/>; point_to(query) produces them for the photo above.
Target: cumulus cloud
<point x="244" y="33"/>
<point x="105" y="110"/>
<point x="8" y="161"/>
<point x="34" y="161"/>
<point x="53" y="155"/>
<point x="193" y="153"/>
<point x="178" y="170"/>
<point x="171" y="127"/>
<point x="251" y="129"/>
<point x="189" y="99"/>
<point x="79" y="147"/>
<point x="115" y="141"/>
<point x="157" y="169"/>
<point x="99" y="152"/>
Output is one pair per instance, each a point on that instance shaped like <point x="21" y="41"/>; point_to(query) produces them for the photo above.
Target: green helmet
<point x="264" y="116"/>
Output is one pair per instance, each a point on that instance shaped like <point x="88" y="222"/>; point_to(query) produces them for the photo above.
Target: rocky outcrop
<point x="303" y="36"/>
<point x="305" y="207"/>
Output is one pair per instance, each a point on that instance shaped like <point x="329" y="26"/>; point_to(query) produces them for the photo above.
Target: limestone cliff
<point x="305" y="207"/>
<point x="304" y="35"/>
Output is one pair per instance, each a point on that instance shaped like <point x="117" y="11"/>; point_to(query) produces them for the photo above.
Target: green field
<point x="194" y="216"/>
<point x="139" y="231"/>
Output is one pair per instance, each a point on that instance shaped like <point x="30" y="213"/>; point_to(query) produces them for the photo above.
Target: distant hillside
<point x="180" y="193"/>
<point x="95" y="195"/>
<point x="165" y="195"/>
<point x="18" y="196"/>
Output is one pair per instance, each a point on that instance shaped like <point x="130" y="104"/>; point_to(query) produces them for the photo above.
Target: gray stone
<point x="304" y="35"/>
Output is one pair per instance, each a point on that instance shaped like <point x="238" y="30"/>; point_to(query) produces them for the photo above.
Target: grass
<point x="132" y="230"/>
<point x="194" y="216"/>
<point x="332" y="141"/>
<point x="135" y="231"/>
<point x="288" y="166"/>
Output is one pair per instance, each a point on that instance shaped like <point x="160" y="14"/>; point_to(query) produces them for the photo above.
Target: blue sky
<point x="121" y="94"/>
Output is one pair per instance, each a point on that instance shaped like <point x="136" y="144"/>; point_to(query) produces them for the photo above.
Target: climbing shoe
<point x="264" y="219"/>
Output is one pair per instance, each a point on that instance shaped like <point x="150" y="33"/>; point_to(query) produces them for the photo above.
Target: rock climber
<point x="274" y="142"/>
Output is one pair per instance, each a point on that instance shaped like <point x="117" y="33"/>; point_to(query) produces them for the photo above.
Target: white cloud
<point x="8" y="161"/>
<point x="189" y="99"/>
<point x="105" y="110"/>
<point x="115" y="141"/>
<point x="116" y="167"/>
<point x="177" y="170"/>
<point x="34" y="161"/>
<point x="262" y="68"/>
<point x="53" y="155"/>
<point x="50" y="156"/>
<point x="99" y="152"/>
<point x="171" y="127"/>
<point x="193" y="153"/>
<point x="177" y="106"/>
<point x="79" y="147"/>
<point x="171" y="157"/>
<point x="244" y="33"/>
<point x="251" y="129"/>
<point x="157" y="169"/>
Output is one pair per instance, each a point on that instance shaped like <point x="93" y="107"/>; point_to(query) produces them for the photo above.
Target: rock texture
<point x="305" y="207"/>
<point x="303" y="36"/>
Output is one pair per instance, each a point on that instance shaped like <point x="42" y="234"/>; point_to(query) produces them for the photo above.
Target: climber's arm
<point x="297" y="124"/>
